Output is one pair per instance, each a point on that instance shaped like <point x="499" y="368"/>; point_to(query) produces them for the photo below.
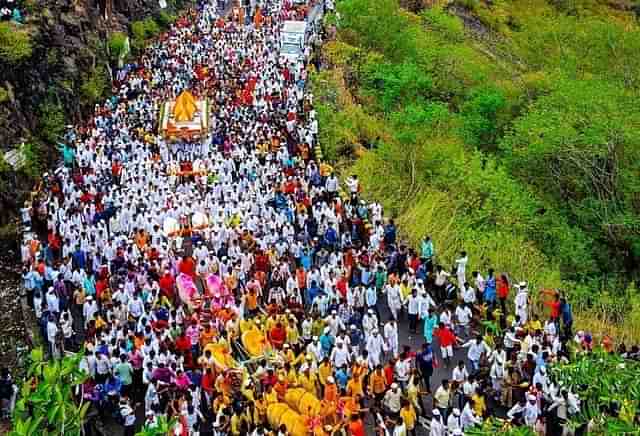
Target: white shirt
<point x="476" y="350"/>
<point x="463" y="315"/>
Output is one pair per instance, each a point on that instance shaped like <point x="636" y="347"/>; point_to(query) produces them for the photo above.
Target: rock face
<point x="69" y="40"/>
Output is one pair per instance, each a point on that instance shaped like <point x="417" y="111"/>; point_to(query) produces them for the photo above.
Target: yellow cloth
<point x="185" y="107"/>
<point x="378" y="382"/>
<point x="325" y="370"/>
<point x="271" y="397"/>
<point x="308" y="382"/>
<point x="408" y="414"/>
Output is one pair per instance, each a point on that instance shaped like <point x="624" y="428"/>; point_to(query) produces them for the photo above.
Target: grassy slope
<point x="430" y="171"/>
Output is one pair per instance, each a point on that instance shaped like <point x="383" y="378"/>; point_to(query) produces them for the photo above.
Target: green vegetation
<point x="604" y="383"/>
<point x="117" y="44"/>
<point x="4" y="95"/>
<point x="47" y="404"/>
<point x="34" y="160"/>
<point x="51" y="121"/>
<point x="511" y="131"/>
<point x="15" y="43"/>
<point x="165" y="19"/>
<point x="142" y="31"/>
<point x="94" y="86"/>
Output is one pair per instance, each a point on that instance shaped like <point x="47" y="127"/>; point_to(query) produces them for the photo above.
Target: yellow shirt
<point x="535" y="325"/>
<point x="324" y="371"/>
<point x="308" y="382"/>
<point x="271" y="397"/>
<point x="479" y="405"/>
<point x="292" y="334"/>
<point x="378" y="382"/>
<point x="408" y="414"/>
<point x="292" y="377"/>
<point x="354" y="387"/>
<point x="235" y="425"/>
<point x="261" y="409"/>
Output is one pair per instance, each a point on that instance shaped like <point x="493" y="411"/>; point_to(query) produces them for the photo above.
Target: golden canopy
<point x="185" y="107"/>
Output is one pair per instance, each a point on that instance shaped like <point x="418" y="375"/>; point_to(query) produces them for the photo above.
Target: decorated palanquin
<point x="184" y="118"/>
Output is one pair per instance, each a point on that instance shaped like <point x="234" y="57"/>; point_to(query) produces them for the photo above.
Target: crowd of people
<point x="11" y="10"/>
<point x="317" y="271"/>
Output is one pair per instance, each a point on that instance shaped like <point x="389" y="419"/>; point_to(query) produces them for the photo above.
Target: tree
<point x="578" y="147"/>
<point x="480" y="115"/>
<point x="47" y="404"/>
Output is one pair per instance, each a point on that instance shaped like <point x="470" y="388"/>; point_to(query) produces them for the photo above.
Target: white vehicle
<point x="293" y="40"/>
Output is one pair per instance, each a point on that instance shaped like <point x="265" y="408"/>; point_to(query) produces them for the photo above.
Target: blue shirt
<point x="342" y="378"/>
<point x="371" y="296"/>
<point x="326" y="342"/>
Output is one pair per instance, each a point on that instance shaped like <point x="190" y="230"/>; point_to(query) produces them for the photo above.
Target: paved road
<point x="415" y="342"/>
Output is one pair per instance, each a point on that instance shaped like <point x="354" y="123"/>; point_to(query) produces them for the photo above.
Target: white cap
<point x="394" y="385"/>
<point x="330" y="379"/>
<point x="456" y="411"/>
<point x="435" y="412"/>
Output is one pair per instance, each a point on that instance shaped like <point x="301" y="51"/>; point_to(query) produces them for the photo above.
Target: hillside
<point x="509" y="129"/>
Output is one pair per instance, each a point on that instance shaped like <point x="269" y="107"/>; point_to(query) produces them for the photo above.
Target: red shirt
<point x="166" y="284"/>
<point x="278" y="336"/>
<point x="388" y="374"/>
<point x="502" y="288"/>
<point x="208" y="381"/>
<point x="188" y="267"/>
<point x="445" y="336"/>
<point x="356" y="428"/>
<point x="342" y="287"/>
<point x="555" y="308"/>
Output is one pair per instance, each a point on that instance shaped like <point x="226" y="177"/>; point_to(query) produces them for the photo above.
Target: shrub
<point x="117" y="44"/>
<point x="15" y="44"/>
<point x="439" y="21"/>
<point x="4" y="95"/>
<point x="33" y="159"/>
<point x="94" y="86"/>
<point x="50" y="121"/>
<point x="165" y="19"/>
<point x="142" y="31"/>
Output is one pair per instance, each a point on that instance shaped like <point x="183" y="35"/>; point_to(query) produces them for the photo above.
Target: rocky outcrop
<point x="69" y="40"/>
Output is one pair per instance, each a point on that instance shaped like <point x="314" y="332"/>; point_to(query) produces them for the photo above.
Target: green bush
<point x="142" y="31"/>
<point x="117" y="44"/>
<point x="15" y="43"/>
<point x="34" y="160"/>
<point x="165" y="19"/>
<point x="449" y="26"/>
<point x="480" y="114"/>
<point x="94" y="86"/>
<point x="4" y="95"/>
<point x="51" y="121"/>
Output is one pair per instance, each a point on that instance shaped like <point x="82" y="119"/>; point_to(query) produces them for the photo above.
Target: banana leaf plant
<point x="162" y="427"/>
<point x="608" y="388"/>
<point x="46" y="404"/>
<point x="496" y="426"/>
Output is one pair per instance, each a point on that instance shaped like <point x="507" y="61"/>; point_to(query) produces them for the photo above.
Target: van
<point x="293" y="40"/>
